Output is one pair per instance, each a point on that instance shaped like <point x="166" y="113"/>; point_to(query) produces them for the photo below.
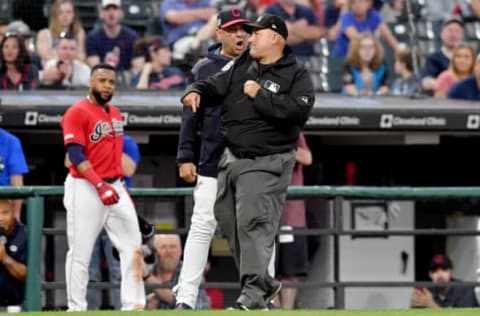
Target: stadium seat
<point x="425" y="30"/>
<point x="138" y="15"/>
<point x="472" y="30"/>
<point x="400" y="31"/>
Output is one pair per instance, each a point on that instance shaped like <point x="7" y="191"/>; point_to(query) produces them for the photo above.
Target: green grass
<point x="411" y="312"/>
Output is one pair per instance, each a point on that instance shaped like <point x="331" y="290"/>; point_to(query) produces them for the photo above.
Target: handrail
<point x="35" y="209"/>
<point x="293" y="191"/>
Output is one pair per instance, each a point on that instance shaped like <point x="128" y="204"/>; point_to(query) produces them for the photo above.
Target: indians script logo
<point x="103" y="129"/>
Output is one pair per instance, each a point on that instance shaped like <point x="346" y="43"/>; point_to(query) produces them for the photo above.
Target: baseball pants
<point x="86" y="216"/>
<point x="250" y="199"/>
<point x="202" y="228"/>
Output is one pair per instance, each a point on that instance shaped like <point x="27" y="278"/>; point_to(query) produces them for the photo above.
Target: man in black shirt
<point x="441" y="296"/>
<point x="13" y="256"/>
<point x="267" y="98"/>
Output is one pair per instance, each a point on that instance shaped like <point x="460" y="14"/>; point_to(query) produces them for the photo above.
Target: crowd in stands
<point x="356" y="47"/>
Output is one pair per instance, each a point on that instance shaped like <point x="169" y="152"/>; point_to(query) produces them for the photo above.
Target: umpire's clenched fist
<point x="250" y="88"/>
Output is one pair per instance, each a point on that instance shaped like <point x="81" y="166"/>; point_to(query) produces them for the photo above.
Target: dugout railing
<point x="35" y="198"/>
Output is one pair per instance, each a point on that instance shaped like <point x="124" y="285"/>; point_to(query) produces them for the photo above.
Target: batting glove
<point x="107" y="193"/>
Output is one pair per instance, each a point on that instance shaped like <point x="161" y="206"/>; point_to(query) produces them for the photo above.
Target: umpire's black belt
<point x="241" y="155"/>
<point x="247" y="155"/>
<point x="111" y="179"/>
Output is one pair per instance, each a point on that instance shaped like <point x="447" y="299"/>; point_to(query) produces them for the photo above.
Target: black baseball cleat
<point x="239" y="307"/>
<point x="183" y="306"/>
<point x="273" y="293"/>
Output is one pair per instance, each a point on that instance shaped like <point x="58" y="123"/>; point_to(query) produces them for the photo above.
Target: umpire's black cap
<point x="268" y="21"/>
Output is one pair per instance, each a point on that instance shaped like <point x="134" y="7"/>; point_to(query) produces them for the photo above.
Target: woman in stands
<point x="63" y="18"/>
<point x="16" y="71"/>
<point x="157" y="72"/>
<point x="461" y="66"/>
<point x="365" y="73"/>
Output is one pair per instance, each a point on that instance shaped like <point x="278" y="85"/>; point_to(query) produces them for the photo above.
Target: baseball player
<point x="232" y="42"/>
<point x="95" y="196"/>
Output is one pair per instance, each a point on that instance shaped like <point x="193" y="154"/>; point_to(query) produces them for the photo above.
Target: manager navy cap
<point x="230" y="17"/>
<point x="440" y="262"/>
<point x="268" y="21"/>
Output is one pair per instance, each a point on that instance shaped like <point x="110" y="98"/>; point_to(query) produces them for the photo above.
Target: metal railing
<point x="35" y="218"/>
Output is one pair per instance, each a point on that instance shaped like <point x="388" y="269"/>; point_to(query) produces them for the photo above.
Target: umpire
<point x="267" y="98"/>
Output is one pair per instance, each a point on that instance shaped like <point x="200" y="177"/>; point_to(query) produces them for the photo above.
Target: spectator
<point x="442" y="295"/>
<point x="157" y="72"/>
<point x="185" y="24"/>
<point x="3" y="27"/>
<point x="16" y="71"/>
<point x="262" y="5"/>
<point x="395" y="11"/>
<point x="64" y="70"/>
<point x="408" y="83"/>
<point x="113" y="42"/>
<point x="468" y="88"/>
<point x="451" y="35"/>
<point x="293" y="250"/>
<point x="360" y="18"/>
<point x="166" y="270"/>
<point x="12" y="165"/>
<point x="13" y="256"/>
<point x="23" y="30"/>
<point x="332" y="17"/>
<point x="438" y="10"/>
<point x="302" y="26"/>
<point x="317" y="8"/>
<point x="63" y="18"/>
<point x="365" y="73"/>
<point x="461" y="66"/>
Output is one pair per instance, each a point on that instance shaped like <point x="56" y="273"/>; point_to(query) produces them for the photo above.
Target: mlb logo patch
<point x="271" y="86"/>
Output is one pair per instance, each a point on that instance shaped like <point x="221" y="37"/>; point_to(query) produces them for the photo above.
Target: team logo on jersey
<point x="103" y="129"/>
<point x="228" y="65"/>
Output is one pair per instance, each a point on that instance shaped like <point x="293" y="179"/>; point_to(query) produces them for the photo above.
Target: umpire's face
<point x="262" y="42"/>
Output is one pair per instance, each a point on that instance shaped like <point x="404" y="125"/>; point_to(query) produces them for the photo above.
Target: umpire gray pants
<point x="250" y="198"/>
